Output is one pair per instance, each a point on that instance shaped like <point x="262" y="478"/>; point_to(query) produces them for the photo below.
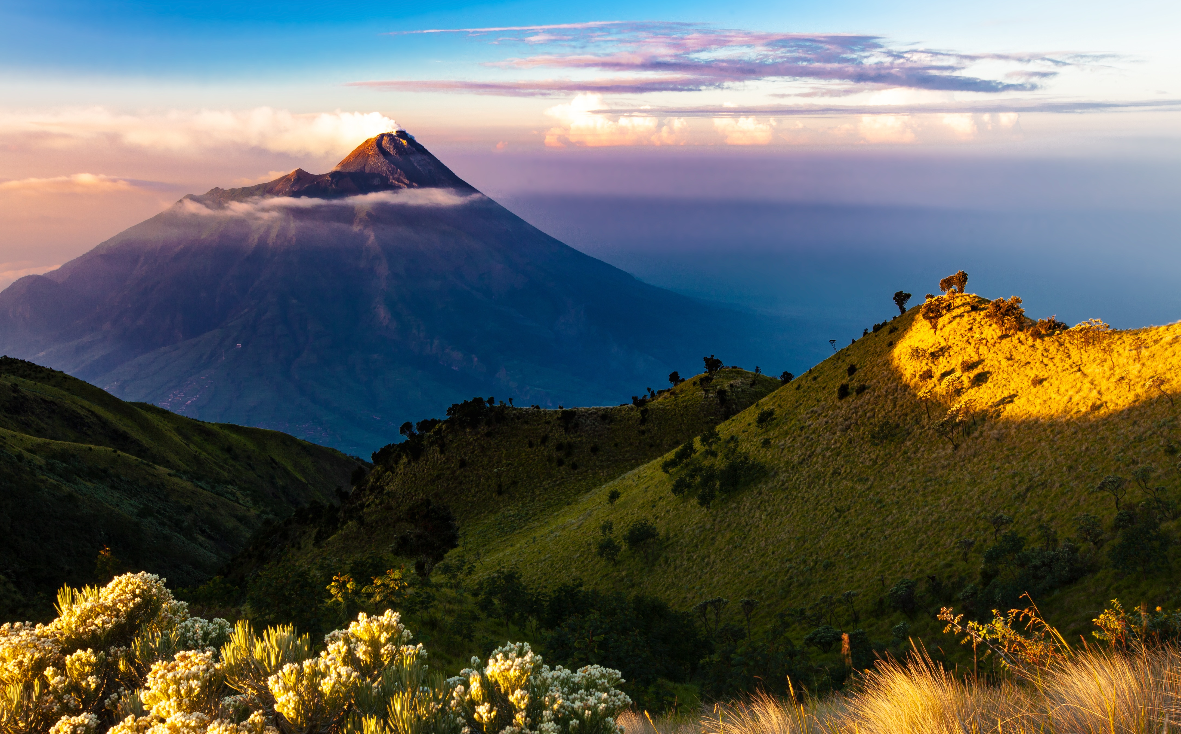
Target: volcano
<point x="336" y="306"/>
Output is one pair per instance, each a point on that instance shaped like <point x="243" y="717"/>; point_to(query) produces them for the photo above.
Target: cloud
<point x="585" y="122"/>
<point x="663" y="56"/>
<point x="78" y="183"/>
<point x="200" y="131"/>
<point x="1000" y="107"/>
<point x="886" y="129"/>
<point x="275" y="206"/>
<point x="743" y="130"/>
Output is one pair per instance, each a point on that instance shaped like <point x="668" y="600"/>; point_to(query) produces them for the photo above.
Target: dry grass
<point x="1091" y="693"/>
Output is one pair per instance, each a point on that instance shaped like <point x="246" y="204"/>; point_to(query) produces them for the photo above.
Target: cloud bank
<point x="276" y="206"/>
<point x="201" y="131"/>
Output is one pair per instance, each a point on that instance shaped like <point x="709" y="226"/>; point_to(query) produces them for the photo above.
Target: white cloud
<point x="273" y="207"/>
<point x="963" y="125"/>
<point x="886" y="129"/>
<point x="584" y="121"/>
<point x="78" y="183"/>
<point x="743" y="130"/>
<point x="277" y="131"/>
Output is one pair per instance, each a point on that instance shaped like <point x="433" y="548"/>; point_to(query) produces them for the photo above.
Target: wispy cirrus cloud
<point x="637" y="58"/>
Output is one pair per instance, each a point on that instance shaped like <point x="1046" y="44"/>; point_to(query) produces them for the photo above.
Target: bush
<point x="842" y="391"/>
<point x="765" y="416"/>
<point x="608" y="549"/>
<point x="129" y="653"/>
<point x="683" y="453"/>
<point x="823" y="638"/>
<point x="1046" y="327"/>
<point x="785" y="377"/>
<point x="1008" y="315"/>
<point x="640" y="533"/>
<point x="1141" y="544"/>
<point x="712" y="364"/>
<point x="902" y="596"/>
<point x="613" y="496"/>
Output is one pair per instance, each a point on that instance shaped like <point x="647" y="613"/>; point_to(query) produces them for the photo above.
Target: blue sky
<point x="111" y="111"/>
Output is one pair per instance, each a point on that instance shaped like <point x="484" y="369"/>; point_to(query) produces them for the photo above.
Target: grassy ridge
<point x="865" y="489"/>
<point x="508" y="475"/>
<point x="82" y="470"/>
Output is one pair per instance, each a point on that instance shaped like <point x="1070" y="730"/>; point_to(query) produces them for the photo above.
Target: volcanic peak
<point x="387" y="162"/>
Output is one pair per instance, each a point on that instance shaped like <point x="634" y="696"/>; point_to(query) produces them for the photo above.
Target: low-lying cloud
<point x="201" y="131"/>
<point x="78" y="183"/>
<point x="277" y="206"/>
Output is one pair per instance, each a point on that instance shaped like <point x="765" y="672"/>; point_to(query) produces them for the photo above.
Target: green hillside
<point x="892" y="459"/>
<point x="82" y="470"/>
<point x="726" y="532"/>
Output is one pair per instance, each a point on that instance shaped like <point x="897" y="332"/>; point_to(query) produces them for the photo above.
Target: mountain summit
<point x="388" y="162"/>
<point x="336" y="306"/>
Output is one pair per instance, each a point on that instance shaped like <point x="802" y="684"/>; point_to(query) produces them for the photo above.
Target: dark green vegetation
<point x="293" y="306"/>
<point x="81" y="471"/>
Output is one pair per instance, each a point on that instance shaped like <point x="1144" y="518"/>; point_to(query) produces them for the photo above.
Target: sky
<point x="888" y="128"/>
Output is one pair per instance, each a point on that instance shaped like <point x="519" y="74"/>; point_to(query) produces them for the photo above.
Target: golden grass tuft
<point x="1090" y="693"/>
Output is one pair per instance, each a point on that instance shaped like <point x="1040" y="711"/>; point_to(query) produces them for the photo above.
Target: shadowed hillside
<point x="82" y="470"/>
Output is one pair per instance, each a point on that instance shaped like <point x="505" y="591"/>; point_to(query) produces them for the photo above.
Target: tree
<point x="748" y="608"/>
<point x="608" y="549"/>
<point x="712" y="364"/>
<point x="900" y="299"/>
<point x="848" y="598"/>
<point x="407" y="429"/>
<point x="954" y="283"/>
<point x="902" y="596"/>
<point x="999" y="522"/>
<point x="1115" y="486"/>
<point x="674" y="377"/>
<point x="786" y="377"/>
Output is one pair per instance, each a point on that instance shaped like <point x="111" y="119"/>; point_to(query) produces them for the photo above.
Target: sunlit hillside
<point x="910" y="454"/>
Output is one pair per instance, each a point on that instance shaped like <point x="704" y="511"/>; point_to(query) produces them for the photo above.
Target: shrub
<point x="1141" y="544"/>
<point x="683" y="453"/>
<point x="765" y="416"/>
<point x="935" y="308"/>
<point x="902" y="596"/>
<point x="823" y="638"/>
<point x="1008" y="315"/>
<point x="842" y="391"/>
<point x="785" y="377"/>
<point x="900" y="300"/>
<point x="640" y="533"/>
<point x="613" y="496"/>
<point x="1090" y="530"/>
<point x="1046" y="327"/>
<point x="608" y="549"/>
<point x="712" y="364"/>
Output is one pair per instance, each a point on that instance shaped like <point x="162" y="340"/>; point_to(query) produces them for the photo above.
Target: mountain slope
<point x="902" y="473"/>
<point x="335" y="306"/>
<point x="82" y="470"/>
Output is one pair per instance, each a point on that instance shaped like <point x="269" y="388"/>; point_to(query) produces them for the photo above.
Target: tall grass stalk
<point x="1092" y="692"/>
